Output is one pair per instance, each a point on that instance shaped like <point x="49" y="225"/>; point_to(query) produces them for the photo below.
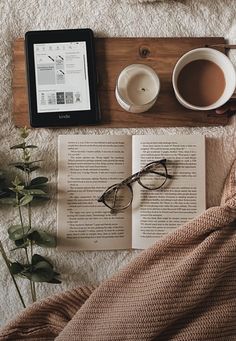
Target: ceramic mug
<point x="219" y="59"/>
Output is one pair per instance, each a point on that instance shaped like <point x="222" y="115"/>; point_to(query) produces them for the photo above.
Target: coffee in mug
<point x="204" y="79"/>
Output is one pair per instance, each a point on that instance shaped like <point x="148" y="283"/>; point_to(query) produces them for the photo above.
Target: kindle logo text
<point x="64" y="116"/>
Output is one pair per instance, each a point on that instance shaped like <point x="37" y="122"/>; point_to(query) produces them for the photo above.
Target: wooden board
<point x="113" y="54"/>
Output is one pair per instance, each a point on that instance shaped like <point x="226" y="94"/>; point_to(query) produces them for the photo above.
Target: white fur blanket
<point x="106" y="18"/>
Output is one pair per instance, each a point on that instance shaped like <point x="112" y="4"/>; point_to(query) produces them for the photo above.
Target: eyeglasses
<point x="153" y="176"/>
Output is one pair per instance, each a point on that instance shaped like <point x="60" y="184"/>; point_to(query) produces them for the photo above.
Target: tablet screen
<point x="61" y="74"/>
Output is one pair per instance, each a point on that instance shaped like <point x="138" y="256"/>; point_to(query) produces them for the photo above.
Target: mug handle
<point x="225" y="46"/>
<point x="233" y="97"/>
<point x="229" y="108"/>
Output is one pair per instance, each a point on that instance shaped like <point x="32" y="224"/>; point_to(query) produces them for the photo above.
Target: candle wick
<point x="143" y="89"/>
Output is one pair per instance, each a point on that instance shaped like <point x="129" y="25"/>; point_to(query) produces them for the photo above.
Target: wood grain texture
<point x="113" y="54"/>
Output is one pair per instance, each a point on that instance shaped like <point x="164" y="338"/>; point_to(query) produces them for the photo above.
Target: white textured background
<point x="115" y="19"/>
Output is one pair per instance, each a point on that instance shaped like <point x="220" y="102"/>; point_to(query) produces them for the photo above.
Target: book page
<point x="87" y="166"/>
<point x="158" y="212"/>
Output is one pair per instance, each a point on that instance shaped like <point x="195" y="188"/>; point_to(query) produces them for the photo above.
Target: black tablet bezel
<point x="65" y="118"/>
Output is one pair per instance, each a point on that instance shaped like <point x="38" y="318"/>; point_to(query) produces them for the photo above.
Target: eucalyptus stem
<point x="25" y="248"/>
<point x="13" y="278"/>
<point x="30" y="226"/>
<point x="31" y="253"/>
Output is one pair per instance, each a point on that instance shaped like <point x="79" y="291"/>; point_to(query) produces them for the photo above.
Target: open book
<point x="89" y="164"/>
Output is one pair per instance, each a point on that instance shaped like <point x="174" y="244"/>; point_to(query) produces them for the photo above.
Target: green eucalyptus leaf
<point x="26" y="199"/>
<point x="20" y="165"/>
<point x="16" y="182"/>
<point x="37" y="258"/>
<point x="42" y="238"/>
<point x="19" y="146"/>
<point x="17" y="189"/>
<point x="13" y="189"/>
<point x="31" y="146"/>
<point x="40" y="199"/>
<point x="24" y="132"/>
<point x="16" y="232"/>
<point x="26" y="272"/>
<point x="38" y="181"/>
<point x="20" y="244"/>
<point x="54" y="281"/>
<point x="56" y="273"/>
<point x="42" y="272"/>
<point x="33" y="168"/>
<point x="26" y="166"/>
<point x="34" y="191"/>
<point x="16" y="268"/>
<point x="43" y="264"/>
<point x="42" y="276"/>
<point x="22" y="168"/>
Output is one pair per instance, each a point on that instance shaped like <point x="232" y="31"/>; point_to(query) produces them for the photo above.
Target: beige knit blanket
<point x="182" y="288"/>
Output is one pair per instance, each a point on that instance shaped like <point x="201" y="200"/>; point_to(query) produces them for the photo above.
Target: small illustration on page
<point x="60" y="77"/>
<point x="69" y="98"/>
<point x="60" y="98"/>
<point x="59" y="62"/>
<point x="43" y="99"/>
<point x="77" y="97"/>
<point x="52" y="98"/>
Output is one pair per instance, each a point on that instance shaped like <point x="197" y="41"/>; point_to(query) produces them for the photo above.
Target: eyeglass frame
<point x="131" y="179"/>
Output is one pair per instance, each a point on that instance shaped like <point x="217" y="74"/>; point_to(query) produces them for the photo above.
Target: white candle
<point x="137" y="88"/>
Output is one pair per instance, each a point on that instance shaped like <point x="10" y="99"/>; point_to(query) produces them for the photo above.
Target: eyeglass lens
<point x="154" y="178"/>
<point x="118" y="197"/>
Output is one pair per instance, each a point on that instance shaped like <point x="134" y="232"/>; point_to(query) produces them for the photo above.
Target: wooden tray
<point x="113" y="54"/>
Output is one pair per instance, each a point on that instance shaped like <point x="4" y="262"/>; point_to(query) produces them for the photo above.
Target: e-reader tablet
<point x="62" y="78"/>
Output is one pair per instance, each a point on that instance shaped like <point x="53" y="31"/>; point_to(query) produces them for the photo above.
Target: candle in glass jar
<point x="137" y="88"/>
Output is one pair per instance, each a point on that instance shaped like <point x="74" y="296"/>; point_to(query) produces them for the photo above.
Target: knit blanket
<point x="182" y="288"/>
